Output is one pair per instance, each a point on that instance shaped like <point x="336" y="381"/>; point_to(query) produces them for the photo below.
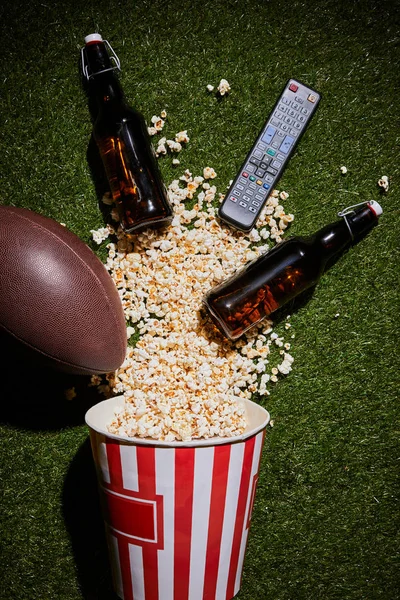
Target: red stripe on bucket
<point x="217" y="509"/>
<point x="184" y="480"/>
<point x="146" y="465"/>
<point x="240" y="514"/>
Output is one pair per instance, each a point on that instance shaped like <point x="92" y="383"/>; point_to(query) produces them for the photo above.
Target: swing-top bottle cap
<point x="375" y="207"/>
<point x="92" y="38"/>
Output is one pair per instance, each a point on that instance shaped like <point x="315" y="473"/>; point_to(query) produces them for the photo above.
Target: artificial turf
<point x="325" y="522"/>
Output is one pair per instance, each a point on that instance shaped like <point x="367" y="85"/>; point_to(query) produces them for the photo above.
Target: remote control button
<point x="301" y="118"/>
<point x="240" y="187"/>
<point x="257" y="153"/>
<point x="246" y="198"/>
<point x="278" y="114"/>
<point x="256" y="203"/>
<point x="293" y="132"/>
<point x="243" y="204"/>
<point x="261" y="145"/>
<point x="253" y="210"/>
<point x="286" y="145"/>
<point x="266" y="186"/>
<point x="250" y="168"/>
<point x="293" y="87"/>
<point x="268" y="135"/>
<point x="284" y="127"/>
<point x="269" y="179"/>
<point x="245" y="174"/>
<point x="255" y="160"/>
<point x="280" y="156"/>
<point x="260" y="198"/>
<point x="285" y="100"/>
<point x="291" y="112"/>
<point x="299" y="99"/>
<point x="272" y="171"/>
<point x="261" y="192"/>
<point x="305" y="111"/>
<point x="233" y="199"/>
<point x="312" y="98"/>
<point x="289" y="121"/>
<point x="252" y="178"/>
<point x="280" y="134"/>
<point x="260" y="173"/>
<point x="264" y="165"/>
<point x="296" y="105"/>
<point x="275" y="122"/>
<point x="249" y="192"/>
<point x="271" y="152"/>
<point x="259" y="182"/>
<point x="275" y="144"/>
<point x="236" y="193"/>
<point x="282" y="107"/>
<point x="297" y="125"/>
<point x="252" y="186"/>
<point x="242" y="180"/>
<point x="276" y="164"/>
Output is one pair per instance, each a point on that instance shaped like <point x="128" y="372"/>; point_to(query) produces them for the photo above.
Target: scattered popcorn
<point x="343" y="170"/>
<point x="384" y="183"/>
<point x="174" y="146"/>
<point x="182" y="137"/>
<point x="107" y="198"/>
<point x="129" y="332"/>
<point x="176" y="161"/>
<point x="99" y="235"/>
<point x="182" y="379"/>
<point x="209" y="173"/>
<point x="158" y="123"/>
<point x="161" y="148"/>
<point x="210" y="88"/>
<point x="223" y="87"/>
<point x="164" y="114"/>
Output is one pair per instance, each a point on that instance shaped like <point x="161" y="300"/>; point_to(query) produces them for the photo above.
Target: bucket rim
<point x="111" y="403"/>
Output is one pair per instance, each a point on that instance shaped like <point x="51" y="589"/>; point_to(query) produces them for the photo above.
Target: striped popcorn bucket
<point x="177" y="514"/>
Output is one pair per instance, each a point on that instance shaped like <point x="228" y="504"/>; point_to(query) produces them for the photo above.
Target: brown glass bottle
<point x="268" y="282"/>
<point x="124" y="144"/>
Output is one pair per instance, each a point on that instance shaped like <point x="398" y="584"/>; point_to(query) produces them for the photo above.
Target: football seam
<point x="121" y="341"/>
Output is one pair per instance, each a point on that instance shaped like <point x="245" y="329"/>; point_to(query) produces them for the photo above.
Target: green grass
<point x="326" y="520"/>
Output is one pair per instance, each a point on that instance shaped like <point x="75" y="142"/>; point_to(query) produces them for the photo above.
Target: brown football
<point x="56" y="296"/>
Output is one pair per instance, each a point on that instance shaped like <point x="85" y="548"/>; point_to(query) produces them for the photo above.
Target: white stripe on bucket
<point x="254" y="471"/>
<point x="203" y="471"/>
<point x="137" y="571"/>
<point x="165" y="479"/>
<point x="129" y="467"/>
<point x="232" y="497"/>
<point x="115" y="565"/>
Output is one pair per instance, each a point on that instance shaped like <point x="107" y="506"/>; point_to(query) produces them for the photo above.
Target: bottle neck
<point x="103" y="81"/>
<point x="338" y="236"/>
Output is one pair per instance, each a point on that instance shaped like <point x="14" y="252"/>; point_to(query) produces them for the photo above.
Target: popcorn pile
<point x="181" y="378"/>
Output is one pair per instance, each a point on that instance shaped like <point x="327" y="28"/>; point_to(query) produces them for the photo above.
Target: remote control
<point x="269" y="155"/>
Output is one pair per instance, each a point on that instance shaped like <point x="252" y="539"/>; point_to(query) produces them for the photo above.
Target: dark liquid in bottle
<point x="130" y="167"/>
<point x="262" y="287"/>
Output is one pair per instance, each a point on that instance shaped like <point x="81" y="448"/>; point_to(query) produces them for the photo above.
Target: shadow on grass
<point x="84" y="522"/>
<point x="33" y="396"/>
